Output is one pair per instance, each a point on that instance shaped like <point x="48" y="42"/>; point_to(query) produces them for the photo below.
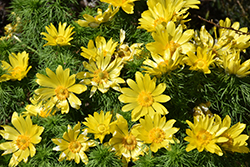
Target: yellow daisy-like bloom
<point x="60" y="37"/>
<point x="236" y="39"/>
<point x="125" y="142"/>
<point x="98" y="124"/>
<point x="144" y="97"/>
<point x="18" y="67"/>
<point x="162" y="11"/>
<point x="73" y="145"/>
<point x="205" y="133"/>
<point x="237" y="141"/>
<point x="232" y="64"/>
<point x="156" y="131"/>
<point x="24" y="136"/>
<point x="201" y="61"/>
<point x="103" y="74"/>
<point x="171" y="38"/>
<point x="162" y="64"/>
<point x="126" y="5"/>
<point x="127" y="52"/>
<point x="94" y="22"/>
<point x="39" y="108"/>
<point x="59" y="88"/>
<point x="102" y="48"/>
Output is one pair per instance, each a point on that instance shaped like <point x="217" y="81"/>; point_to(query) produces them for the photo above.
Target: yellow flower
<point x="162" y="11"/>
<point x="205" y="133"/>
<point x="73" y="145"/>
<point x="127" y="52"/>
<point x="124" y="142"/>
<point x="232" y="64"/>
<point x="60" y="37"/>
<point x="59" y="88"/>
<point x="162" y="64"/>
<point x="99" y="124"/>
<point x="18" y="67"/>
<point x="39" y="108"/>
<point x="143" y="97"/>
<point x="94" y="22"/>
<point x="156" y="131"/>
<point x="237" y="141"/>
<point x="24" y="136"/>
<point x="102" y="48"/>
<point x="171" y="38"/>
<point x="103" y="74"/>
<point x="201" y="61"/>
<point x="126" y="5"/>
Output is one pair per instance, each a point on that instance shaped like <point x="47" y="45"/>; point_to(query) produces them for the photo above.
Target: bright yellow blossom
<point x="201" y="61"/>
<point x="126" y="5"/>
<point x="171" y="38"/>
<point x="18" y="67"/>
<point x="73" y="145"/>
<point x="124" y="142"/>
<point x="38" y="107"/>
<point x="59" y="88"/>
<point x="94" y="22"/>
<point x="205" y="133"/>
<point x="98" y="124"/>
<point x="144" y="97"/>
<point x="60" y="37"/>
<point x="162" y="64"/>
<point x="232" y="64"/>
<point x="156" y="131"/>
<point x="102" y="74"/>
<point x="24" y="136"/>
<point x="127" y="52"/>
<point x="162" y="11"/>
<point x="102" y="48"/>
<point x="237" y="141"/>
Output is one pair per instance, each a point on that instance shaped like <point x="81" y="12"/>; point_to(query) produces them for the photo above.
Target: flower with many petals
<point x="156" y="131"/>
<point x="60" y="37"/>
<point x="125" y="142"/>
<point x="102" y="48"/>
<point x="205" y="133"/>
<point x="126" y="5"/>
<point x="171" y="38"/>
<point x="201" y="61"/>
<point x="232" y="64"/>
<point x="160" y="12"/>
<point x="24" y="136"/>
<point x="94" y="22"/>
<point x="73" y="145"/>
<point x="18" y="67"/>
<point x="237" y="141"/>
<point x="98" y="124"/>
<point x="102" y="74"/>
<point x="143" y="97"/>
<point x="59" y="88"/>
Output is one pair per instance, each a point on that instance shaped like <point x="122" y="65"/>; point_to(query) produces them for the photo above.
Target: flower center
<point x="74" y="146"/>
<point x="172" y="46"/>
<point x="102" y="128"/>
<point x="156" y="135"/>
<point x="145" y="99"/>
<point x="200" y="64"/>
<point x="204" y="137"/>
<point x="160" y="20"/>
<point x="23" y="142"/>
<point x="60" y="40"/>
<point x="100" y="76"/>
<point x="129" y="142"/>
<point x="62" y="93"/>
<point x="17" y="72"/>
